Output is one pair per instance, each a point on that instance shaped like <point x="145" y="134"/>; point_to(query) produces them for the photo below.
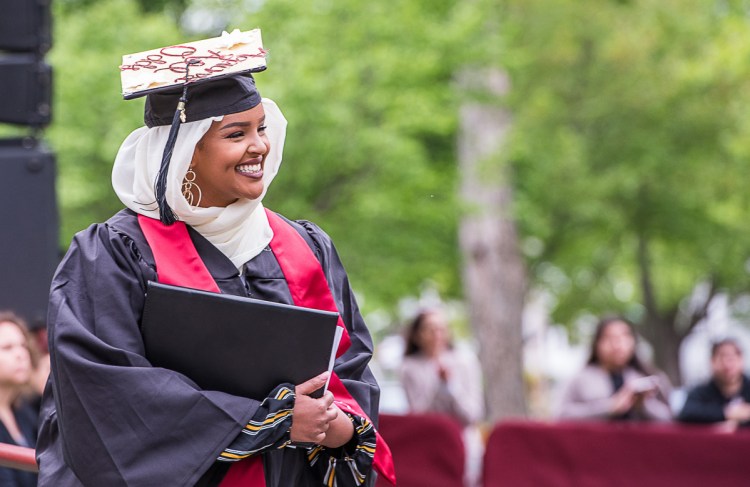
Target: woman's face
<point x="15" y="359"/>
<point x="228" y="161"/>
<point x="432" y="336"/>
<point x="616" y="346"/>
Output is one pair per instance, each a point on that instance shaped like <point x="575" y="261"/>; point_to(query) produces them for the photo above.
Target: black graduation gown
<point x="26" y="419"/>
<point x="109" y="418"/>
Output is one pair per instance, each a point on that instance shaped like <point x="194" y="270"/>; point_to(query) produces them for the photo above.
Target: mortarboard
<point x="215" y="73"/>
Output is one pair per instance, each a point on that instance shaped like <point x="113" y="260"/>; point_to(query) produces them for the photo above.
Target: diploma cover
<point x="242" y="346"/>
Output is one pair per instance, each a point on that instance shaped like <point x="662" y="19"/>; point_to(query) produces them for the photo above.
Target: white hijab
<point x="241" y="230"/>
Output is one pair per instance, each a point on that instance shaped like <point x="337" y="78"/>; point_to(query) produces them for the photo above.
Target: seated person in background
<point x="18" y="418"/>
<point x="615" y="384"/>
<point x="435" y="377"/>
<point x="724" y="399"/>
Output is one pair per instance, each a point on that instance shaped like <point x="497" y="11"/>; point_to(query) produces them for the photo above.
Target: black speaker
<point x="25" y="25"/>
<point x="29" y="240"/>
<point x="25" y="90"/>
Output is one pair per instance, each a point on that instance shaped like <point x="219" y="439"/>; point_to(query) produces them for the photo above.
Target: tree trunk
<point x="493" y="270"/>
<point x="660" y="332"/>
<point x="666" y="331"/>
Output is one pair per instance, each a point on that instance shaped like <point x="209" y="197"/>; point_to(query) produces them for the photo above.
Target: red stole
<point x="178" y="263"/>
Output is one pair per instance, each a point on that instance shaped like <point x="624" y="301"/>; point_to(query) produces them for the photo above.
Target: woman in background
<point x="18" y="417"/>
<point x="439" y="379"/>
<point x="435" y="377"/>
<point x="615" y="384"/>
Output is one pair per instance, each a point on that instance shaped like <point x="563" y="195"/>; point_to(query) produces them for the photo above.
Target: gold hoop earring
<point x="187" y="188"/>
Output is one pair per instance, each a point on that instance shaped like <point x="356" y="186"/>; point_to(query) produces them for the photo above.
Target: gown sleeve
<point x="351" y="464"/>
<point x="578" y="402"/>
<point x="116" y="420"/>
<point x="268" y="428"/>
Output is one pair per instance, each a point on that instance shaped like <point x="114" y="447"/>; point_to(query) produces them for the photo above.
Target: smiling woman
<point x="193" y="180"/>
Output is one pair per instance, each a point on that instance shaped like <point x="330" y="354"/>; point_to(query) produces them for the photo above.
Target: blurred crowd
<point x="614" y="384"/>
<point x="437" y="377"/>
<point x="617" y="385"/>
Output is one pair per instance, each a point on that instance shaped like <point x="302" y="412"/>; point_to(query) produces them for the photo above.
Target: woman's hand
<point x="623" y="401"/>
<point x="311" y="417"/>
<point x="737" y="410"/>
<point x="340" y="430"/>
<point x="728" y="426"/>
<point x="443" y="372"/>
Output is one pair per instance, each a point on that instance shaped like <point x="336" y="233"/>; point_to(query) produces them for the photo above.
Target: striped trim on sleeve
<point x="268" y="428"/>
<point x="350" y="464"/>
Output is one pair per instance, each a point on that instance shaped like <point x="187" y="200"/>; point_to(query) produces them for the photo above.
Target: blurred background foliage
<point x="629" y="150"/>
<point x="630" y="142"/>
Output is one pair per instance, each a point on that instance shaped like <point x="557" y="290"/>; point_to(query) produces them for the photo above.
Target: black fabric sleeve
<point x="702" y="406"/>
<point x="352" y="368"/>
<point x="268" y="428"/>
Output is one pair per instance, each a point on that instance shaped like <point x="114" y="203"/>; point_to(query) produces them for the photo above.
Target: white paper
<point x="334" y="348"/>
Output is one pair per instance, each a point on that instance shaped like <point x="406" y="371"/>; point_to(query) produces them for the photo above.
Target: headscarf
<point x="241" y="230"/>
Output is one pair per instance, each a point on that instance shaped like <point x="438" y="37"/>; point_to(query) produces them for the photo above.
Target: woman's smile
<point x="251" y="169"/>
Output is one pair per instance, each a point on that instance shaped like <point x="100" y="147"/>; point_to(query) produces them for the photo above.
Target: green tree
<point x="370" y="152"/>
<point x="90" y="119"/>
<point x="630" y="152"/>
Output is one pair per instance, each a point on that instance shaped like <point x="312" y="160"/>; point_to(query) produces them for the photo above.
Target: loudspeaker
<point x="25" y="90"/>
<point x="25" y="25"/>
<point x="29" y="240"/>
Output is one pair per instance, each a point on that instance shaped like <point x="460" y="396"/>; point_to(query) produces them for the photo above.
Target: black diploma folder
<point x="238" y="345"/>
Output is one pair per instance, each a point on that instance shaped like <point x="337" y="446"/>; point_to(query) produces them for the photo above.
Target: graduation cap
<point x="190" y="82"/>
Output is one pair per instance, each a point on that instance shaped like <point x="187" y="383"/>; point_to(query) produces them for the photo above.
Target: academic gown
<point x="109" y="418"/>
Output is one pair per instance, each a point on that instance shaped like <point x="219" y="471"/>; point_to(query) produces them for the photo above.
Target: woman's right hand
<point x="443" y="373"/>
<point x="737" y="410"/>
<point x="311" y="417"/>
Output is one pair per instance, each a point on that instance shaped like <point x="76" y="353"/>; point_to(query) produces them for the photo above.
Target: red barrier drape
<point x="427" y="449"/>
<point x="614" y="455"/>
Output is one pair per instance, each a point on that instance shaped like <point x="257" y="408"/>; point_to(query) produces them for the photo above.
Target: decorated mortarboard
<point x="217" y="74"/>
<point x="167" y="67"/>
